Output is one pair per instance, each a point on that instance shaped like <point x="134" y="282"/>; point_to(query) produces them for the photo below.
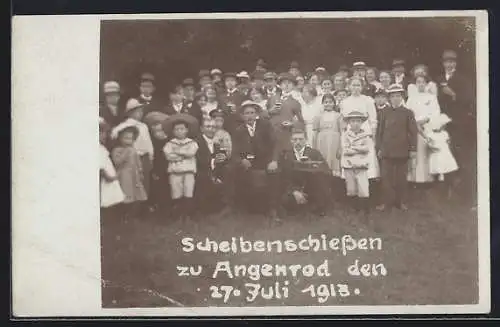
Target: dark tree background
<point x="176" y="49"/>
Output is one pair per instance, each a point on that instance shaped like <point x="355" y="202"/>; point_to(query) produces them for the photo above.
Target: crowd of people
<point x="280" y="143"/>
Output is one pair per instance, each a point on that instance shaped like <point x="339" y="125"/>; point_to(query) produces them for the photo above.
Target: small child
<point x="396" y="143"/>
<point x="222" y="143"/>
<point x="110" y="190"/>
<point x="340" y="95"/>
<point x="441" y="160"/>
<point x="158" y="200"/>
<point x="134" y="112"/>
<point x="381" y="100"/>
<point x="354" y="157"/>
<point x="129" y="169"/>
<point x="180" y="153"/>
<point x="327" y="86"/>
<point x="327" y="134"/>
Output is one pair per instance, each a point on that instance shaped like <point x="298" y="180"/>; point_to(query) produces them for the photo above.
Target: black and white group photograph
<point x="301" y="162"/>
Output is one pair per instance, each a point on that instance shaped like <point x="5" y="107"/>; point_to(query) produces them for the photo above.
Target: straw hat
<point x="190" y="121"/>
<point x="133" y="104"/>
<point x="250" y="103"/>
<point x="395" y="88"/>
<point x="356" y="114"/>
<point x="216" y="71"/>
<point x="155" y="117"/>
<point x="124" y="126"/>
<point x="111" y="87"/>
<point x="449" y="55"/>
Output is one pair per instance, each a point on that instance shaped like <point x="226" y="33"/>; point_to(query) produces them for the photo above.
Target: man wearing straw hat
<point x="110" y="110"/>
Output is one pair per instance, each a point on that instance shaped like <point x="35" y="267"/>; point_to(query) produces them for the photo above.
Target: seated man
<point x="304" y="176"/>
<point x="213" y="183"/>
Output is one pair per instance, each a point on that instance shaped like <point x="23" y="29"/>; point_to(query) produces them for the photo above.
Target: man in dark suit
<point x="456" y="97"/>
<point x="396" y="143"/>
<point x="231" y="97"/>
<point x="256" y="177"/>
<point x="283" y="111"/>
<point x="270" y="85"/>
<point x="305" y="175"/>
<point x="147" y="94"/>
<point x="212" y="193"/>
<point x="399" y="72"/>
<point x="178" y="104"/>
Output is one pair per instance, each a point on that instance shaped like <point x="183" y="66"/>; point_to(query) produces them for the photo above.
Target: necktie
<point x="251" y="130"/>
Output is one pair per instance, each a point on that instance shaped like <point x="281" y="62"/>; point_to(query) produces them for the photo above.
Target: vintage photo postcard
<point x="251" y="164"/>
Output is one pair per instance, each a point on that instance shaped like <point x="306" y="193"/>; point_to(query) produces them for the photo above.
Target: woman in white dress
<point x="424" y="105"/>
<point x="430" y="87"/>
<point x="311" y="106"/>
<point x="365" y="104"/>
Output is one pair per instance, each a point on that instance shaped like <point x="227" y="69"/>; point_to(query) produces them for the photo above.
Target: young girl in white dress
<point x="311" y="107"/>
<point x="327" y="134"/>
<point x="424" y="105"/>
<point x="366" y="105"/>
<point x="441" y="160"/>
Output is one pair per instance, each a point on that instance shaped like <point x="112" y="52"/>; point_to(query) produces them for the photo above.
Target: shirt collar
<point x="301" y="151"/>
<point x="451" y="72"/>
<point x="232" y="91"/>
<point x="209" y="140"/>
<point x="251" y="125"/>
<point x="146" y="98"/>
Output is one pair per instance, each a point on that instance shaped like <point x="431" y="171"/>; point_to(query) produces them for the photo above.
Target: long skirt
<point x="418" y="169"/>
<point x="327" y="143"/>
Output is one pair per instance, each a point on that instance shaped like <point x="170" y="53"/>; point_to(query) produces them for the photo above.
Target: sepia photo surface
<point x="266" y="164"/>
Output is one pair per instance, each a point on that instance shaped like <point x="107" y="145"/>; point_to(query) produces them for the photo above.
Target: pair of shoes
<point x="381" y="207"/>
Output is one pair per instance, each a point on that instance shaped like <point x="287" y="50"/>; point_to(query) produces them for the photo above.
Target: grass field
<point x="430" y="253"/>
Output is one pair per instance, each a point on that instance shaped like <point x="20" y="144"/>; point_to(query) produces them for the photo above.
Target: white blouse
<point x="431" y="88"/>
<point x="311" y="110"/>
